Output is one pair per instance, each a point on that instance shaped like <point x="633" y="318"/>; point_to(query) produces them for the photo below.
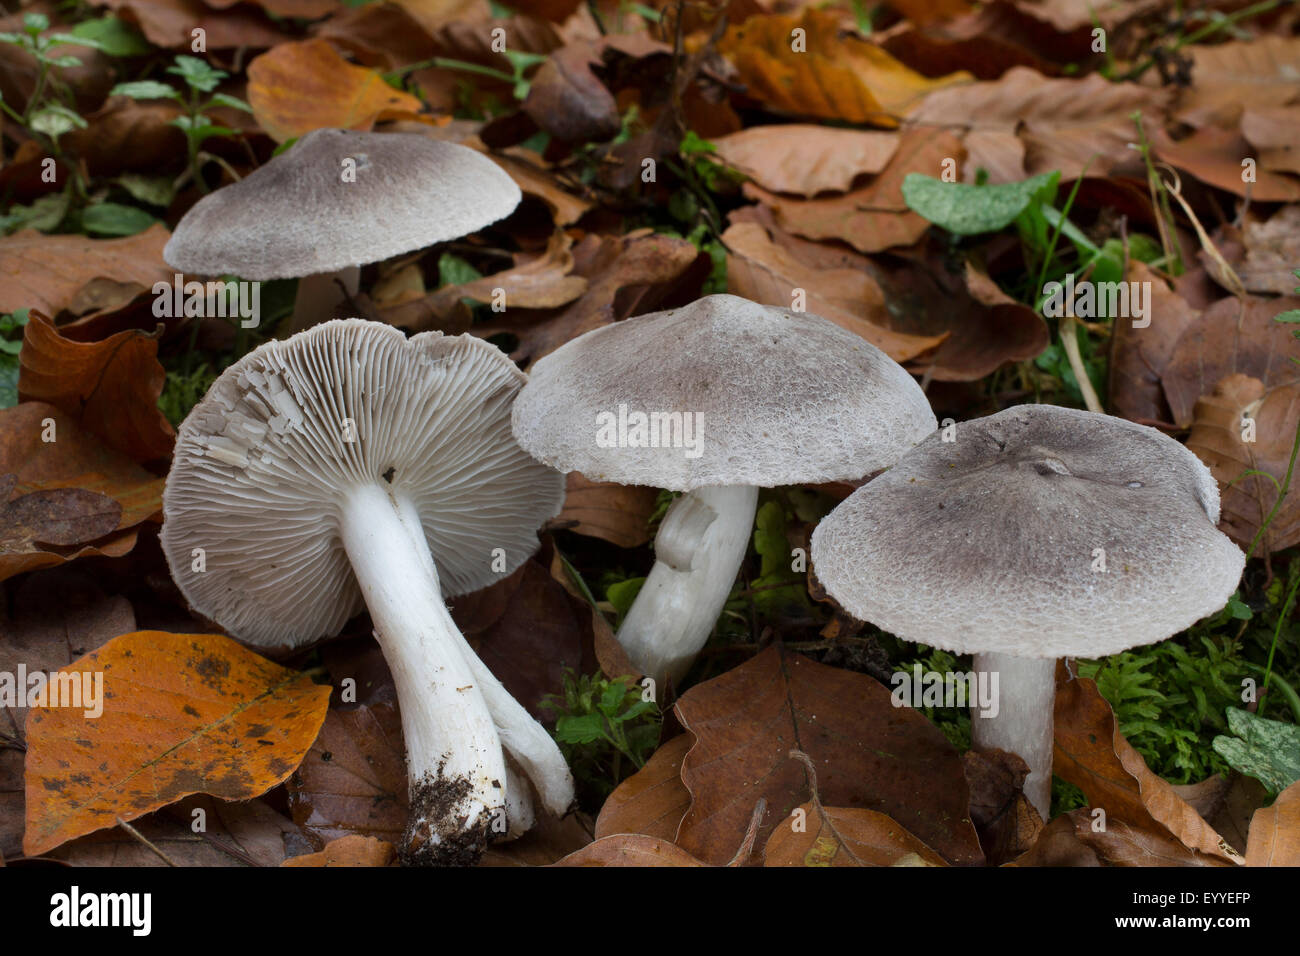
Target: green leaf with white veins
<point x="970" y="210"/>
<point x="1267" y="750"/>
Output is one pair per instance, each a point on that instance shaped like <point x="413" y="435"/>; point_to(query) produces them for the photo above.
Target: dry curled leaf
<point x="298" y="87"/>
<point x="1091" y="753"/>
<point x="868" y="754"/>
<point x="111" y="387"/>
<point x="843" y="836"/>
<point x="181" y="714"/>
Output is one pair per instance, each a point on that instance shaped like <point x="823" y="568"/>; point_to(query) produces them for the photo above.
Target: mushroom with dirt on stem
<point x="334" y="202"/>
<point x="1026" y="536"/>
<point x="716" y="400"/>
<point x="348" y="468"/>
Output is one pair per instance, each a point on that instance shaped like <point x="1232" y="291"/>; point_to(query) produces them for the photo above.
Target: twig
<point x="751" y="834"/>
<point x="142" y="839"/>
<point x="821" y="811"/>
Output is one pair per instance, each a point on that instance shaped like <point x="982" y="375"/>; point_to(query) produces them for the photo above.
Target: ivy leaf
<point x="1267" y="750"/>
<point x="969" y="210"/>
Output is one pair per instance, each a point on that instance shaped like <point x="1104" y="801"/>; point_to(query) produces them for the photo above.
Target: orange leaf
<point x="182" y="714"/>
<point x="295" y="88"/>
<point x="846" y="836"/>
<point x="653" y="800"/>
<point x="348" y="851"/>
<point x="823" y="71"/>
<point x="603" y="509"/>
<point x="1275" y="832"/>
<point x="630" y="849"/>
<point x="111" y="387"/>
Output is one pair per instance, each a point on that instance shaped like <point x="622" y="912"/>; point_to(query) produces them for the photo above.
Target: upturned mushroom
<point x="334" y="202"/>
<point x="349" y="467"/>
<point x="717" y="400"/>
<point x="1030" y="535"/>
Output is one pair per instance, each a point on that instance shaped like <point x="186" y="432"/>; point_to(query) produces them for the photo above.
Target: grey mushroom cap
<point x="777" y="397"/>
<point x="988" y="544"/>
<point x="297" y="216"/>
<point x="264" y="463"/>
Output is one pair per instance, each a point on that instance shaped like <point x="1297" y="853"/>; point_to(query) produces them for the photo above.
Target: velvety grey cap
<point x="263" y="463"/>
<point x="296" y="216"/>
<point x="775" y="397"/>
<point x="989" y="543"/>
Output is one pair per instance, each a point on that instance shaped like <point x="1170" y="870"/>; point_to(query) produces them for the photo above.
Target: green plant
<point x="607" y="729"/>
<point x="11" y="343"/>
<point x="200" y="79"/>
<point x="182" y="390"/>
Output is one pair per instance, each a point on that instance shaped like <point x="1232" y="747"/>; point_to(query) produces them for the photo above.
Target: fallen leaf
<point x="874" y="217"/>
<point x="1140" y="356"/>
<point x="1231" y="336"/>
<point x="1213" y="155"/>
<point x="182" y="714"/>
<point x="653" y="800"/>
<point x="1272" y="131"/>
<point x="295" y="88"/>
<point x="534" y="180"/>
<point x="296" y="9"/>
<point x="348" y="851"/>
<point x="1007" y="823"/>
<point x="353" y="779"/>
<point x="868" y="753"/>
<point x="550" y="840"/>
<point x="619" y="514"/>
<point x="1216" y="438"/>
<point x="170" y="24"/>
<point x="568" y="101"/>
<point x="836" y="75"/>
<point x="804" y="158"/>
<point x="111" y="387"/>
<point x="761" y="270"/>
<point x="1091" y="753"/>
<point x="1026" y="124"/>
<point x="73" y="459"/>
<point x="843" y="837"/>
<point x="1275" y="832"/>
<point x="1229" y="77"/>
<point x="630" y="849"/>
<point x="1071" y="840"/>
<point x="1262" y="254"/>
<point x="45" y="272"/>
<point x="63" y="516"/>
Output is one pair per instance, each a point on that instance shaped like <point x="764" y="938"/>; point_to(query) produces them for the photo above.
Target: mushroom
<point x="736" y="396"/>
<point x="1033" y="534"/>
<point x="334" y="202"/>
<point x="348" y="467"/>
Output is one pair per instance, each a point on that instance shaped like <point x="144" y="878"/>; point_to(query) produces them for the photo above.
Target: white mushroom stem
<point x="320" y="295"/>
<point x="1024" y="720"/>
<point x="520" y="816"/>
<point x="698" y="551"/>
<point x="455" y="766"/>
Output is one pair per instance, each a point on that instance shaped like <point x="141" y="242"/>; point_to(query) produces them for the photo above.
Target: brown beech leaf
<point x="1275" y="832"/>
<point x="1139" y="356"/>
<point x="653" y="800"/>
<point x="844" y="836"/>
<point x="1071" y="840"/>
<point x="1025" y="124"/>
<point x="73" y="459"/>
<point x="1230" y="77"/>
<point x="1216" y="438"/>
<point x="295" y="88"/>
<point x="763" y="271"/>
<point x="1213" y="155"/>
<point x="353" y="779"/>
<point x="804" y="158"/>
<point x="873" y="217"/>
<point x="182" y="714"/>
<point x="625" y="276"/>
<point x="1230" y="336"/>
<point x="1005" y="820"/>
<point x="1272" y="131"/>
<point x="868" y="753"/>
<point x="543" y="282"/>
<point x="170" y="24"/>
<point x="630" y="849"/>
<point x="549" y="841"/>
<point x="1263" y="254"/>
<point x="354" y="850"/>
<point x="620" y="514"/>
<point x="297" y="9"/>
<point x="1091" y="753"/>
<point x="534" y="180"/>
<point x="837" y="75"/>
<point x="568" y="101"/>
<point x="61" y="516"/>
<point x="46" y="272"/>
<point x="111" y="386"/>
<point x="53" y="618"/>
